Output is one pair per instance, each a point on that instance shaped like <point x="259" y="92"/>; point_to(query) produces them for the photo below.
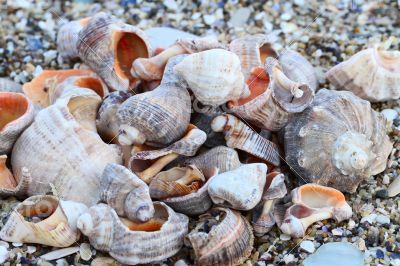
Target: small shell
<point x="372" y="74"/>
<point x="133" y="243"/>
<point x="222" y="237"/>
<point x="250" y="178"/>
<point x="126" y="193"/>
<point x="238" y="135"/>
<point x="56" y="226"/>
<point x="338" y="141"/>
<point x="312" y="203"/>
<point x="68" y="36"/>
<point x="158" y="117"/>
<point x="7" y="85"/>
<point x="16" y="114"/>
<point x="109" y="47"/>
<point x="214" y="76"/>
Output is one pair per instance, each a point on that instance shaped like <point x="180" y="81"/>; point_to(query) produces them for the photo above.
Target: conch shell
<point x="222" y="237"/>
<point x="109" y="47"/>
<point x="214" y="76"/>
<point x="239" y="189"/>
<point x="16" y="114"/>
<point x="338" y="141"/>
<point x="313" y="203"/>
<point x="133" y="243"/>
<point x="238" y="135"/>
<point x="68" y="37"/>
<point x="7" y="85"/>
<point x="53" y="222"/>
<point x="126" y="193"/>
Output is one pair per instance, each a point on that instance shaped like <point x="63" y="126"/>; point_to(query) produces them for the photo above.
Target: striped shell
<point x="68" y="36"/>
<point x="7" y="85"/>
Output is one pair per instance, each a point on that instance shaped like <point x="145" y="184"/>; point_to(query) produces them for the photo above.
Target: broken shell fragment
<point x="394" y="188"/>
<point x="133" y="243"/>
<point x="312" y="203"/>
<point x="239" y="189"/>
<point x="7" y="85"/>
<point x="16" y="114"/>
<point x="222" y="237"/>
<point x="44" y="220"/>
<point x="67" y="37"/>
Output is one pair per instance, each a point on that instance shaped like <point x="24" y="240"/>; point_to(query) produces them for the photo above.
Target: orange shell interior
<point x="152" y="225"/>
<point x="12" y="106"/>
<point x="316" y="196"/>
<point x="7" y="180"/>
<point x="92" y="83"/>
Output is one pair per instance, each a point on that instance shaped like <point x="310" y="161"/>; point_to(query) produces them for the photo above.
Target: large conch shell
<point x="312" y="203"/>
<point x="158" y="117"/>
<point x="222" y="237"/>
<point x="126" y="193"/>
<point x="338" y="141"/>
<point x="55" y="223"/>
<point x="133" y="243"/>
<point x="153" y="68"/>
<point x="238" y="135"/>
<point x="16" y="114"/>
<point x="7" y="85"/>
<point x="214" y="76"/>
<point x="68" y="36"/>
<point x="239" y="189"/>
<point x="372" y="74"/>
<point x="109" y="47"/>
<point x="58" y="152"/>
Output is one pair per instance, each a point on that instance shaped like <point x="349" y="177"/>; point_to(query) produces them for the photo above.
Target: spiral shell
<point x="68" y="36"/>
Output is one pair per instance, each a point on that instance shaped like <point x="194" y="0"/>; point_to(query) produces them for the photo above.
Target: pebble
<point x="286" y="16"/>
<point x="85" y="251"/>
<point x="4" y="254"/>
<point x="209" y="19"/>
<point x="30" y="249"/>
<point x="104" y="261"/>
<point x="285" y="237"/>
<point x="385" y="180"/>
<point x="389" y="114"/>
<point x="337" y="232"/>
<point x="239" y="17"/>
<point x="49" y="56"/>
<point x="171" y="4"/>
<point x="382" y="219"/>
<point x="334" y="254"/>
<point x="16" y="244"/>
<point x="370" y="218"/>
<point x="181" y="263"/>
<point x="307" y="246"/>
<point x="289" y="258"/>
<point x="288" y="27"/>
<point x="380" y="254"/>
<point x="38" y="70"/>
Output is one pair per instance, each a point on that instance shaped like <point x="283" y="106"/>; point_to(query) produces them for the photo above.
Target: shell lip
<point x="28" y="108"/>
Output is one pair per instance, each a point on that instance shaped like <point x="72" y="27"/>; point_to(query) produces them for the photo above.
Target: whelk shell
<point x="67" y="37"/>
<point x="222" y="237"/>
<point x="133" y="243"/>
<point x="53" y="222"/>
<point x="7" y="85"/>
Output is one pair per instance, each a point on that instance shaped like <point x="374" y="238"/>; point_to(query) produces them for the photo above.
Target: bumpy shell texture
<point x="338" y="141"/>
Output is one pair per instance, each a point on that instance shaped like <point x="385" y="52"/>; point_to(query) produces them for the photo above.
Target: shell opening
<point x="12" y="106"/>
<point x="91" y="83"/>
<point x="161" y="216"/>
<point x="7" y="180"/>
<point x="389" y="60"/>
<point x="266" y="51"/>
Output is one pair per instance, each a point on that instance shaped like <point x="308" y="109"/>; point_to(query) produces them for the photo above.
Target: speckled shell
<point x="58" y="152"/>
<point x="158" y="117"/>
<point x="371" y="74"/>
<point x="226" y="240"/>
<point x="16" y="114"/>
<point x="238" y="135"/>
<point x="58" y="229"/>
<point x="131" y="243"/>
<point x="250" y="178"/>
<point x="126" y="193"/>
<point x="214" y="76"/>
<point x="338" y="141"/>
<point x="7" y="85"/>
<point x="109" y="47"/>
<point x="312" y="203"/>
<point x="68" y="36"/>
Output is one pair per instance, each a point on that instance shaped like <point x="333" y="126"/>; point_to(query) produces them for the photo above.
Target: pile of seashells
<point x="123" y="151"/>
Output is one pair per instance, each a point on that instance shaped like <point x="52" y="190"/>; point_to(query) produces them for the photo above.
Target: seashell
<point x="7" y="85"/>
<point x="106" y="121"/>
<point x="163" y="37"/>
<point x="142" y="163"/>
<point x="153" y="68"/>
<point x="133" y="243"/>
<point x="16" y="114"/>
<point x="44" y="220"/>
<point x="221" y="157"/>
<point x="338" y="141"/>
<point x="214" y="76"/>
<point x="250" y="178"/>
<point x="158" y="117"/>
<point x="394" y="188"/>
<point x="69" y="151"/>
<point x="9" y="185"/>
<point x="126" y="193"/>
<point x="68" y="36"/>
<point x="109" y="47"/>
<point x="372" y="74"/>
<point x="59" y="253"/>
<point x="38" y="89"/>
<point x="222" y="237"/>
<point x="239" y="136"/>
<point x="312" y="203"/>
<point x="263" y="216"/>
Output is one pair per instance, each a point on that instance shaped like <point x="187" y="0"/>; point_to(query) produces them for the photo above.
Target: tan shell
<point x="214" y="76"/>
<point x="57" y="228"/>
<point x="311" y="203"/>
<point x="222" y="237"/>
<point x="126" y="193"/>
<point x="168" y="106"/>
<point x="109" y="47"/>
<point x="68" y="36"/>
<point x="239" y="189"/>
<point x="338" y="141"/>
<point x="372" y="74"/>
<point x="238" y="135"/>
<point x="7" y="85"/>
<point x="133" y="243"/>
<point x="58" y="152"/>
<point x="16" y="114"/>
